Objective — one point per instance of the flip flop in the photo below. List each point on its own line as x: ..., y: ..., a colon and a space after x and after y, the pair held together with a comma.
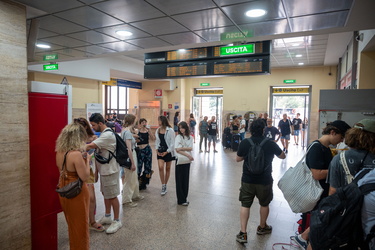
x: 96, y: 227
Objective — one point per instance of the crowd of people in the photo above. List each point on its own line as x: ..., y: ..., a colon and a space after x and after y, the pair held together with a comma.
x: 86, y: 156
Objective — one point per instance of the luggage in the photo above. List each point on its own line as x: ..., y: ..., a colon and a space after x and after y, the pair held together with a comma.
x: 227, y: 138
x: 236, y: 138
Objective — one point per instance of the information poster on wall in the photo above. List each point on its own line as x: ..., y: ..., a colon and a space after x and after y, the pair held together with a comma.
x: 92, y: 108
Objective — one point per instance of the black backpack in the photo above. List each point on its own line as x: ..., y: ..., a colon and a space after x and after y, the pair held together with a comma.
x: 121, y: 154
x: 336, y: 223
x: 255, y: 157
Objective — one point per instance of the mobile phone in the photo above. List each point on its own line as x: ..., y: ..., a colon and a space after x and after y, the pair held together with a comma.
x: 148, y: 126
x: 91, y: 151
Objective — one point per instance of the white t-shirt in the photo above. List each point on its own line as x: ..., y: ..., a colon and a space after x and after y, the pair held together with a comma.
x: 183, y: 143
x: 107, y: 141
x: 243, y: 122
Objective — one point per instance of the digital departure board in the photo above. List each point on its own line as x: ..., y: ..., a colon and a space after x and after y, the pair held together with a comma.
x: 242, y: 59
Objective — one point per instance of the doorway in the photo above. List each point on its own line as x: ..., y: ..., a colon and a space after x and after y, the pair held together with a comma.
x: 208, y: 106
x: 292, y: 101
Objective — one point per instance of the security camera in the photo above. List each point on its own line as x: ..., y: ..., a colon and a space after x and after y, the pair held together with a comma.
x: 359, y: 37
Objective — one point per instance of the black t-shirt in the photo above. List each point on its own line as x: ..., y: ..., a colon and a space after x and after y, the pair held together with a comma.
x: 284, y: 127
x: 270, y: 149
x: 212, y: 128
x: 296, y: 123
x: 319, y: 157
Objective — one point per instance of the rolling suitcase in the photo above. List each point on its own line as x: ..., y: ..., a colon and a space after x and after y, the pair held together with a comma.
x: 235, y: 142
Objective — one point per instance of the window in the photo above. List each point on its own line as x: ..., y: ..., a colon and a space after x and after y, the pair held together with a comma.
x: 117, y: 100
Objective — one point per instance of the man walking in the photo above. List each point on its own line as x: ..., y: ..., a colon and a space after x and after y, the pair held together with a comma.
x: 271, y: 131
x: 109, y: 171
x: 260, y: 185
x: 212, y: 133
x: 203, y: 133
x: 297, y: 125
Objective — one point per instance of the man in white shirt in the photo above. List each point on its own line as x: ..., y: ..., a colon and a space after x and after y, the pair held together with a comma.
x: 242, y: 127
x: 109, y: 171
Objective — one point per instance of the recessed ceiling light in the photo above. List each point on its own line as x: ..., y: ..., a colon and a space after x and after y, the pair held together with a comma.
x: 300, y: 63
x: 182, y: 50
x: 255, y: 13
x: 123, y: 33
x: 299, y: 55
x: 43, y: 46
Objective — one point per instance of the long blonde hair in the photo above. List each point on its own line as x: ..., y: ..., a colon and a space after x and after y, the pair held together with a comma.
x: 72, y: 137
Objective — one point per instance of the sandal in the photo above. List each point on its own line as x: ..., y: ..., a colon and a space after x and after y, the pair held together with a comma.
x: 96, y: 227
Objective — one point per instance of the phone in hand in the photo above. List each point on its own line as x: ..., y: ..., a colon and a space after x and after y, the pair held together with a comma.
x: 91, y: 151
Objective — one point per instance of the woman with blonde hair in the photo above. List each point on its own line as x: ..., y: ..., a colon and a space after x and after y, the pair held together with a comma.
x: 130, y: 191
x: 164, y: 145
x: 71, y: 157
x: 93, y: 225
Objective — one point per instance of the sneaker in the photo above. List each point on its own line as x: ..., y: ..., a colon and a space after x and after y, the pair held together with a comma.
x: 215, y: 151
x: 286, y: 151
x: 105, y: 220
x: 114, y: 227
x: 200, y: 151
x: 130, y: 204
x: 139, y: 198
x: 241, y: 237
x: 300, y: 242
x: 207, y: 151
x: 163, y: 189
x: 185, y: 204
x: 265, y: 230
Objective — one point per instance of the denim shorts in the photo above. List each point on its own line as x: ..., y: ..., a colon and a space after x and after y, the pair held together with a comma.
x: 212, y: 138
x: 286, y: 137
x: 296, y: 132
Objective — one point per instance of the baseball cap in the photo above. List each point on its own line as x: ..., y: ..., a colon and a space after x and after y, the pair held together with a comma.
x: 239, y: 115
x: 366, y: 125
x: 340, y: 125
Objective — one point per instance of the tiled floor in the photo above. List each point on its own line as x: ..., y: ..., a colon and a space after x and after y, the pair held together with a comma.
x: 211, y: 221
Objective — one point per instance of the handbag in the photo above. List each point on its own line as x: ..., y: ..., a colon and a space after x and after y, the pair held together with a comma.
x: 182, y: 159
x: 73, y: 188
x: 299, y: 188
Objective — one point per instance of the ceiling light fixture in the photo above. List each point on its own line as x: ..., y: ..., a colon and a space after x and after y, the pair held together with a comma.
x: 123, y: 33
x: 299, y: 55
x: 182, y: 50
x: 255, y: 13
x: 43, y: 46
x: 300, y: 63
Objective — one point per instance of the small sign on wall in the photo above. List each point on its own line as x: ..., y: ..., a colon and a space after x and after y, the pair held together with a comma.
x: 158, y: 93
x: 176, y: 105
x: 169, y: 106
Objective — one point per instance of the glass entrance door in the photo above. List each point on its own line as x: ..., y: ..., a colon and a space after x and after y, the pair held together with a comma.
x: 208, y: 106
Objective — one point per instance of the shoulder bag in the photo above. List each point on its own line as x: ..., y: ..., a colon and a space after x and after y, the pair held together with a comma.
x: 73, y: 188
x: 299, y: 188
x: 182, y: 159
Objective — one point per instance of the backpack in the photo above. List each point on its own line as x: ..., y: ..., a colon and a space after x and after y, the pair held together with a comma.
x: 192, y: 123
x: 336, y: 223
x: 121, y: 154
x: 255, y: 157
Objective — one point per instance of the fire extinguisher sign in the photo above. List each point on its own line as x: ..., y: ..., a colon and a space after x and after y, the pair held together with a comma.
x: 158, y: 93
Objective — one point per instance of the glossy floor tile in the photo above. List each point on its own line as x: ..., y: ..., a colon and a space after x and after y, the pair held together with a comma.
x: 211, y: 221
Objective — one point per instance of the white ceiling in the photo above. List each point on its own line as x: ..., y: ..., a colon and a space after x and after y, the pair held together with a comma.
x: 318, y: 30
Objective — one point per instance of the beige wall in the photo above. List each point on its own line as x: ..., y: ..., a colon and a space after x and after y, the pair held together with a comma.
x: 251, y: 93
x: 366, y: 76
x: 84, y: 90
x: 15, y: 218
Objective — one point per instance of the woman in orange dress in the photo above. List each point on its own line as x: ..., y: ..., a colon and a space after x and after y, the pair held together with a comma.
x: 70, y: 153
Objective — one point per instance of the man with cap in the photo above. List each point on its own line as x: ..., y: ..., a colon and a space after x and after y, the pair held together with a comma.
x: 318, y: 158
x: 242, y: 127
x: 361, y: 141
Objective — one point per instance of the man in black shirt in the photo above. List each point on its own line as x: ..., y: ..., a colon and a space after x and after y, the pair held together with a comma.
x: 259, y: 186
x: 212, y: 133
x: 297, y: 125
